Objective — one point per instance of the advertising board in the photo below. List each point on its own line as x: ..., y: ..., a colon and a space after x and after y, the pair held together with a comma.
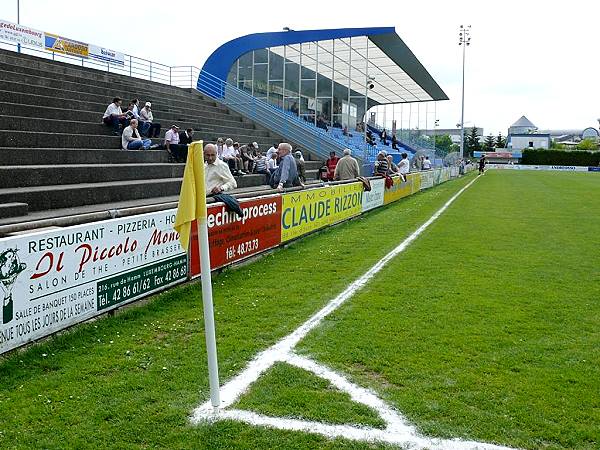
x: 373, y: 198
x: 306, y: 211
x: 53, y: 279
x: 232, y: 238
x: 66, y: 46
x: 20, y: 34
x: 106, y: 54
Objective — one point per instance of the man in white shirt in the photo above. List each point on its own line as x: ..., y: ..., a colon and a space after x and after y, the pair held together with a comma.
x: 146, y: 116
x: 177, y: 151
x: 217, y: 176
x: 427, y: 163
x: 131, y: 139
x: 272, y: 150
x: 404, y: 166
x: 230, y: 156
x: 272, y: 163
x: 113, y: 116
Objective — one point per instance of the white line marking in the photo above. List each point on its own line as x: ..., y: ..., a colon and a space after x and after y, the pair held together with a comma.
x: 397, y: 431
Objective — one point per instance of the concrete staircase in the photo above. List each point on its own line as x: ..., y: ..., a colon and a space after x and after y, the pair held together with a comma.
x: 57, y: 158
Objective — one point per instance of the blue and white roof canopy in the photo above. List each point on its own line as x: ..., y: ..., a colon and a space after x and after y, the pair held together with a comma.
x: 398, y: 75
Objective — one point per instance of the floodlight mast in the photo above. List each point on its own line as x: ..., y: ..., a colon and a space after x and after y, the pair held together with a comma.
x: 464, y: 39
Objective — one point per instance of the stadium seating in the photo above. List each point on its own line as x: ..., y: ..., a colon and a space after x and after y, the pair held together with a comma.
x: 57, y: 158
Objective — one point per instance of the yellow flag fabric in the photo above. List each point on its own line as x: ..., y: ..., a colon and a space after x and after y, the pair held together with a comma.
x: 192, y: 199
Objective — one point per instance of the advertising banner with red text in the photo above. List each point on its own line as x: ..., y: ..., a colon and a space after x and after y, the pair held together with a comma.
x: 232, y: 238
x: 53, y: 279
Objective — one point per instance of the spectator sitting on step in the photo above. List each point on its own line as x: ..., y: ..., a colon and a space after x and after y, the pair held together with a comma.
x: 426, y: 163
x: 272, y: 149
x: 272, y: 163
x: 134, y: 108
x: 392, y: 168
x: 217, y: 176
x: 404, y: 166
x: 260, y: 164
x: 113, y: 116
x: 131, y: 139
x: 177, y: 152
x: 186, y: 137
x: 146, y: 116
x: 220, y: 144
x: 347, y: 167
x: 321, y: 123
x: 381, y: 165
x: 286, y: 174
x: 230, y: 157
x: 247, y: 155
x: 300, y: 166
x: 330, y: 164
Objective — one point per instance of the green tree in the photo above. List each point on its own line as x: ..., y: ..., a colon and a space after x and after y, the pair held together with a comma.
x: 472, y: 142
x: 500, y: 141
x: 587, y: 144
x: 443, y: 144
x: 556, y: 145
x: 489, y: 143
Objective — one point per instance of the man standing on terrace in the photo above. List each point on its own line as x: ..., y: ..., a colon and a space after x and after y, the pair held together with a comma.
x: 286, y: 174
x: 217, y: 176
x: 347, y: 167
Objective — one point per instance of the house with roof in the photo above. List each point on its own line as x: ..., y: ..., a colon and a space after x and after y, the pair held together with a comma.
x: 524, y: 134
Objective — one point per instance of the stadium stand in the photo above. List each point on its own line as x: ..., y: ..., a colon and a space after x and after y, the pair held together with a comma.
x: 56, y: 157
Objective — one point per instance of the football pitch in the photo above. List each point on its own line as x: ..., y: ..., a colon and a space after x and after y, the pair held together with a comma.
x: 485, y: 328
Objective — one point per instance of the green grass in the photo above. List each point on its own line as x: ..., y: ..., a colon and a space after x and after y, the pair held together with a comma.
x: 287, y: 391
x: 488, y: 326
x: 131, y: 381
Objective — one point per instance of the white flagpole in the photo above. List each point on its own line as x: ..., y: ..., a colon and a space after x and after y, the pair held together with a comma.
x: 207, y: 298
x: 209, y: 318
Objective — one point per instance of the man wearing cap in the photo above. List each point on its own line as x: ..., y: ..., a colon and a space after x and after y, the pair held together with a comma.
x: 153, y: 129
x: 177, y: 151
x: 346, y: 168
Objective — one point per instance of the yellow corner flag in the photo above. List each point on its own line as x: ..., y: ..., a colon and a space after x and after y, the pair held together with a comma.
x: 192, y: 199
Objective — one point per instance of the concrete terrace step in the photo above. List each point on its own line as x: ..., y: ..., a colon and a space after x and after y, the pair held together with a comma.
x: 10, y: 156
x: 13, y: 210
x: 13, y: 138
x: 46, y: 112
x: 82, y: 103
x: 70, y: 195
x: 46, y: 175
x: 107, y: 90
x: 45, y: 218
x: 91, y: 128
x: 29, y: 64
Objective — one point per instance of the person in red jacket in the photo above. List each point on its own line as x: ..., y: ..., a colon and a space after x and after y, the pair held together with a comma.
x: 330, y: 164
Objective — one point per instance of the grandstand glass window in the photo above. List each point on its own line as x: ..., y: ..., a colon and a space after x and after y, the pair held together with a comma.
x: 329, y: 79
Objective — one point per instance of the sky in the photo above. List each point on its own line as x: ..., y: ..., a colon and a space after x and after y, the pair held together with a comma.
x: 538, y: 59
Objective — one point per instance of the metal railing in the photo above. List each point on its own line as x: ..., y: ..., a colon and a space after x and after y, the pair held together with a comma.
x: 286, y: 124
x: 133, y: 66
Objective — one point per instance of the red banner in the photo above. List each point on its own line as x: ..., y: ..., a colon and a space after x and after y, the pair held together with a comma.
x: 232, y: 238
